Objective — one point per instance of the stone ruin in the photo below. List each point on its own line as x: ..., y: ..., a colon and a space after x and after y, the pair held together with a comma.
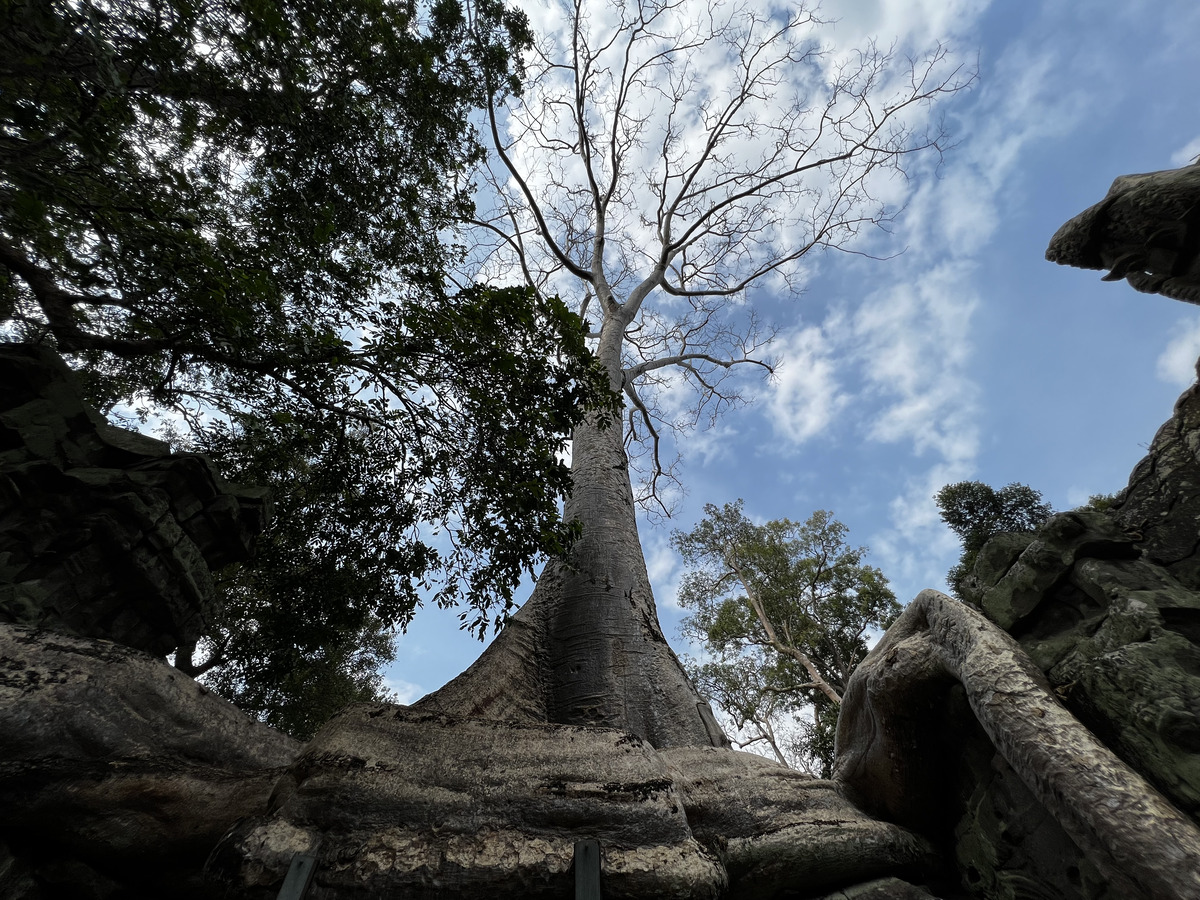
x: 104, y: 532
x: 1041, y: 740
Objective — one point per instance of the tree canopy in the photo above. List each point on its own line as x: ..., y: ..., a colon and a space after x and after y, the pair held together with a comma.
x: 664, y: 157
x: 975, y: 511
x: 783, y: 610
x: 229, y: 215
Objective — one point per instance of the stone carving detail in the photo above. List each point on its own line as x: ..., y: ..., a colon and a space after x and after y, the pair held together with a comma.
x: 104, y: 532
x: 1146, y: 230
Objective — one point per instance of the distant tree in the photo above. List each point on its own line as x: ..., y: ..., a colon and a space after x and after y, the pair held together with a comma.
x: 784, y: 611
x: 975, y: 511
x: 227, y: 214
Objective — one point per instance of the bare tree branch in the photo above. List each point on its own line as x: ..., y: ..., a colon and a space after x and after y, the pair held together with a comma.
x: 685, y: 150
x: 633, y: 372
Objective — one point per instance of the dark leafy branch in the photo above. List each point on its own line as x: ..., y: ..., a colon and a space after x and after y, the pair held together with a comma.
x: 228, y: 215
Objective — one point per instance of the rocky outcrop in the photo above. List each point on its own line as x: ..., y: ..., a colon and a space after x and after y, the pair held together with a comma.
x: 1146, y: 230
x: 895, y: 712
x: 104, y: 532
x: 1161, y: 503
x: 1113, y: 617
x: 117, y: 769
x: 1040, y: 761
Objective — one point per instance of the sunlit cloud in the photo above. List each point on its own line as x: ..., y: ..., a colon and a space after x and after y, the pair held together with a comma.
x: 913, y: 343
x: 903, y: 21
x: 915, y: 523
x: 662, y: 565
x: 805, y: 396
x: 1186, y: 154
x: 405, y: 691
x: 1177, y: 363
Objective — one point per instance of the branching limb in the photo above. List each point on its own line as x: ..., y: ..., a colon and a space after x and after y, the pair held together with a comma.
x: 776, y: 644
x: 532, y: 203
x: 633, y: 172
x: 655, y: 441
x: 636, y: 371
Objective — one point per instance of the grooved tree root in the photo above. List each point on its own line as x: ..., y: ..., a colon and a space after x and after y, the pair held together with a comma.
x: 1138, y: 839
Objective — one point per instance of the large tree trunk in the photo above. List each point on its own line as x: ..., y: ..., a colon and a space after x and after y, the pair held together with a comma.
x: 587, y: 648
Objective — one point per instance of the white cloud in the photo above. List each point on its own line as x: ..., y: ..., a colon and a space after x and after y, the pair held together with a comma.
x: 1187, y: 153
x: 406, y: 692
x: 662, y: 565
x: 1077, y: 496
x: 913, y: 335
x: 918, y: 549
x: 903, y: 21
x: 805, y: 396
x: 1177, y: 363
x: 913, y: 343
x: 715, y: 444
x: 964, y: 212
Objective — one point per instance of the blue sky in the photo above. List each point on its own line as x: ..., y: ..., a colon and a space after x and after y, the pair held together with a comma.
x: 968, y: 356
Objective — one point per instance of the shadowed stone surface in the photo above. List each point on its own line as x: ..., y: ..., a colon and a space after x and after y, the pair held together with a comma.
x: 119, y: 762
x: 881, y: 889
x: 1146, y: 230
x: 104, y: 532
x: 395, y: 801
x: 776, y: 829
x: 1161, y: 503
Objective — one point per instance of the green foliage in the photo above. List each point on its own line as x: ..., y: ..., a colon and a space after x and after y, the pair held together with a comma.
x: 781, y: 609
x: 975, y: 511
x: 227, y: 214
x: 272, y: 671
x: 1102, y: 501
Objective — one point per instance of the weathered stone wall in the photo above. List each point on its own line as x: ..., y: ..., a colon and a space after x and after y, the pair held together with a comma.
x: 104, y: 532
x: 1107, y: 604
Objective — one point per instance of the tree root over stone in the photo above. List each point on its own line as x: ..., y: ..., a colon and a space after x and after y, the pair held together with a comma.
x: 1136, y: 837
x: 394, y: 801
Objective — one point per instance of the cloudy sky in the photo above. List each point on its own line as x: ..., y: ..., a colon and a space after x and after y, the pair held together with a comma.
x: 967, y: 356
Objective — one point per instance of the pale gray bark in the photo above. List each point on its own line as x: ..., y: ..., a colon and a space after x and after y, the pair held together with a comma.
x: 1135, y: 836
x: 587, y: 648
